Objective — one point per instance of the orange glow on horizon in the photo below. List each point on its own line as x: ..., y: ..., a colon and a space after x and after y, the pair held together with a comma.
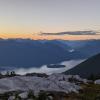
x: 50, y: 37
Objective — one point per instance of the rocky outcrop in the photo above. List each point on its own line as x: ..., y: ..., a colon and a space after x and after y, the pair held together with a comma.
x: 55, y: 82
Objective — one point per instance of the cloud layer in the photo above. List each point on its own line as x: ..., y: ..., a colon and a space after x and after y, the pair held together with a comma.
x: 45, y: 69
x: 72, y: 33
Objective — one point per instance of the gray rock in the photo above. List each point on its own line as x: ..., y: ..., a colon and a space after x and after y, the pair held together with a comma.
x: 97, y: 81
x: 11, y: 98
x: 55, y: 82
x: 23, y: 95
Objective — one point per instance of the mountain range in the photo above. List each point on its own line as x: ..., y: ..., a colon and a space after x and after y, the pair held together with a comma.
x: 35, y: 53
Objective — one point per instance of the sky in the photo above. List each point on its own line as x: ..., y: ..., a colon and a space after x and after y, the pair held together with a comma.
x: 26, y: 18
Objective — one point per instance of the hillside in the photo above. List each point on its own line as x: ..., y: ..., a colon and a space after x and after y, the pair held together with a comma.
x: 87, y: 68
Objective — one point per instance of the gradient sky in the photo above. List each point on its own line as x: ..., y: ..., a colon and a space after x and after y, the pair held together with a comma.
x: 32, y: 16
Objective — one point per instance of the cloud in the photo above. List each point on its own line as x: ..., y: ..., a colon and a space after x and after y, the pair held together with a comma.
x: 72, y: 33
x: 45, y: 69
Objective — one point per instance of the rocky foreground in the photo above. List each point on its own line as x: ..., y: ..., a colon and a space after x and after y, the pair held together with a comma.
x: 55, y: 82
x: 58, y: 83
x: 37, y: 87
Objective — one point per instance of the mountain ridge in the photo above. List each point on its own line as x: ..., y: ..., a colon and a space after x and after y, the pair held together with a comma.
x: 87, y: 68
x: 35, y: 53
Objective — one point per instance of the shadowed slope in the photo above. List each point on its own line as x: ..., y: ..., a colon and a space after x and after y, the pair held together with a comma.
x: 86, y: 68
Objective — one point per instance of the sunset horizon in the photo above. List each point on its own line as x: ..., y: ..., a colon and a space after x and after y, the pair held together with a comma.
x: 28, y: 18
x: 38, y: 36
x: 49, y: 49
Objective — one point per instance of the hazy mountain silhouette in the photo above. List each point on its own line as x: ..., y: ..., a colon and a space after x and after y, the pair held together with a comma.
x: 30, y: 53
x: 35, y: 53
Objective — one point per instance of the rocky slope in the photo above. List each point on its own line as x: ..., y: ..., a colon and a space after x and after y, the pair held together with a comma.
x: 55, y: 82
